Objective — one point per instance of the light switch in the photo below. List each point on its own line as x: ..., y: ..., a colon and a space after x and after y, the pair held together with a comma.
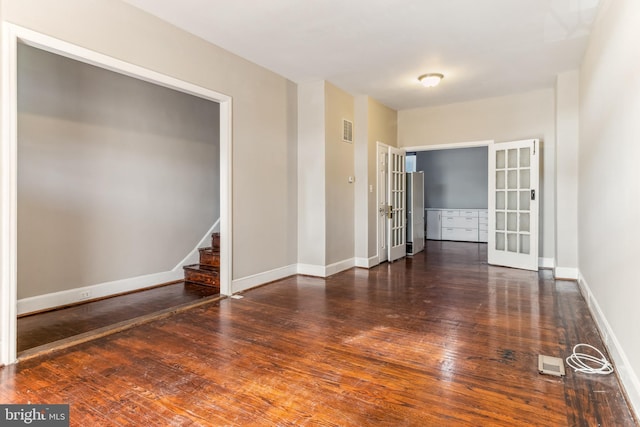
x: 371, y: 189
x: 351, y: 179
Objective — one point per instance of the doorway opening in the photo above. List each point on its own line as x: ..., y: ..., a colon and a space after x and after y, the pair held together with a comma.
x: 14, y: 37
x: 455, y: 192
x: 492, y: 197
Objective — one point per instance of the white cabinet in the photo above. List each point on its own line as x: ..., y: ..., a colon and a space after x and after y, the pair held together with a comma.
x: 434, y: 224
x: 468, y: 225
x: 483, y: 226
x: 460, y: 225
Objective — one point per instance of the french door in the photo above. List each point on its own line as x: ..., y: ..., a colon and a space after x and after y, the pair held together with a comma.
x: 383, y: 202
x: 392, y: 209
x: 397, y: 197
x: 513, y: 204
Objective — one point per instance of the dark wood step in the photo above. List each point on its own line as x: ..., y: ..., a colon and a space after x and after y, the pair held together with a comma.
x: 202, y: 274
x: 215, y: 241
x: 209, y: 256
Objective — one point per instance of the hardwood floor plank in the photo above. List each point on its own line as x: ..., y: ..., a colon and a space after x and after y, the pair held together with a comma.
x: 46, y: 327
x: 440, y: 339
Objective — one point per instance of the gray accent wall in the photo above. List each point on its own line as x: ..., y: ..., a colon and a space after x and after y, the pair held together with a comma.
x: 117, y: 178
x: 455, y: 178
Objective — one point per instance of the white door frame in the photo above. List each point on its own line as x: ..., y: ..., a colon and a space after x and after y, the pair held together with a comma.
x: 12, y: 35
x: 451, y: 146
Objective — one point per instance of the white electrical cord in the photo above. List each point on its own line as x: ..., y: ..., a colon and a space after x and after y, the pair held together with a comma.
x: 587, y: 363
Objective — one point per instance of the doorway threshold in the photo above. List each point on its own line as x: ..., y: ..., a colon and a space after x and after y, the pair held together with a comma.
x: 44, y: 333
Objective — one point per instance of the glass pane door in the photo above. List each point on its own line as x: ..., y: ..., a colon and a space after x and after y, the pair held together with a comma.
x: 397, y: 198
x: 513, y: 204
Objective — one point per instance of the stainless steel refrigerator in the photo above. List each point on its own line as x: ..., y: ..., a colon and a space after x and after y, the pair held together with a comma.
x: 415, y: 212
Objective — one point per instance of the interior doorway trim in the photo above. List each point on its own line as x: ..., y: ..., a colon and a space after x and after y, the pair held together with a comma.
x: 12, y: 35
x: 449, y: 146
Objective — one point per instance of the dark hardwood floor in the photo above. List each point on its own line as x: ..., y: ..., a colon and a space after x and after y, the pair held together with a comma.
x: 440, y: 339
x: 44, y: 328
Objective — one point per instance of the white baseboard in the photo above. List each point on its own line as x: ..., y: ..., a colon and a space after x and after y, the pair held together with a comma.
x: 565, y: 273
x: 101, y: 290
x: 367, y: 262
x: 627, y: 375
x: 328, y: 270
x: 239, y: 285
x: 71, y: 296
x: 312, y: 270
x: 546, y: 263
x: 339, y: 266
x: 248, y: 282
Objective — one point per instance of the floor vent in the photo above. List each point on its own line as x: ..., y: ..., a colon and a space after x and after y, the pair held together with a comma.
x: 549, y: 365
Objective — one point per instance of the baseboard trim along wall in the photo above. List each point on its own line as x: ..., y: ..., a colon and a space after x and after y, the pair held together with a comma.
x: 107, y: 289
x: 627, y: 375
x: 311, y: 270
x: 328, y: 270
x: 86, y: 293
x: 248, y: 282
x: 565, y: 273
x: 339, y: 266
x: 546, y: 263
x: 367, y: 262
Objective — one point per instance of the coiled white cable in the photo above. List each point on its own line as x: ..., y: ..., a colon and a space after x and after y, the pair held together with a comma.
x: 587, y: 363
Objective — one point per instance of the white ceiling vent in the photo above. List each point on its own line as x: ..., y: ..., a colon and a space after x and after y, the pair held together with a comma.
x: 347, y: 130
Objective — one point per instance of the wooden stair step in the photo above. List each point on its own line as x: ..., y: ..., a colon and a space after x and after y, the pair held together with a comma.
x: 202, y: 274
x: 209, y: 256
x: 215, y: 241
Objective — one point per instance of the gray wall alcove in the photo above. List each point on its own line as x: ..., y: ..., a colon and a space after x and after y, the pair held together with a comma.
x: 455, y: 178
x: 117, y: 177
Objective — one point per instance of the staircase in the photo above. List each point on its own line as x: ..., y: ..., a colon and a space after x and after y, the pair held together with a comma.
x: 207, y: 272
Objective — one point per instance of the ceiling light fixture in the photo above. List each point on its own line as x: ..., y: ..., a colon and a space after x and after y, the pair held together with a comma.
x: 431, y: 79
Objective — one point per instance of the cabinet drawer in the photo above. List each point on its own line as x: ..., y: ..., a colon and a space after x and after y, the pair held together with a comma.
x: 449, y: 221
x: 483, y: 214
x: 469, y: 213
x: 483, y: 236
x: 450, y: 213
x: 462, y: 234
x: 459, y: 222
x: 483, y: 222
x: 483, y: 227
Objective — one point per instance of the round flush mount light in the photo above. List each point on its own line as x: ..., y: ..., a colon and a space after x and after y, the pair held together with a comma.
x: 431, y: 79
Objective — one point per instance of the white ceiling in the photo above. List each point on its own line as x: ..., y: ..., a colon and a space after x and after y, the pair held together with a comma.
x: 379, y: 47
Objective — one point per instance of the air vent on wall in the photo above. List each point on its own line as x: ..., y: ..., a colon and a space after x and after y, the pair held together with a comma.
x: 347, y: 130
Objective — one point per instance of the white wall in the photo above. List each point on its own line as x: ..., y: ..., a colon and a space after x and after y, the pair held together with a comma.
x: 375, y: 122
x: 382, y: 125
x: 340, y: 165
x: 361, y: 163
x: 326, y: 230
x: 567, y: 133
x: 110, y: 168
x: 506, y: 118
x: 264, y: 196
x: 311, y: 174
x: 609, y: 183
